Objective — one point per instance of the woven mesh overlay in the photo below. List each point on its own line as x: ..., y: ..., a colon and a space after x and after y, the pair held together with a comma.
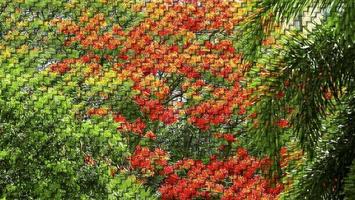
x: 176, y: 99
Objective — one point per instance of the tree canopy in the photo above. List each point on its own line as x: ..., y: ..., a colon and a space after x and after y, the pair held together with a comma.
x: 165, y: 99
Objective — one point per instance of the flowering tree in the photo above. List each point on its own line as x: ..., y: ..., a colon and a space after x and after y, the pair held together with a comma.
x: 171, y: 94
x: 48, y: 150
x: 176, y: 66
x: 231, y: 178
x: 191, y: 99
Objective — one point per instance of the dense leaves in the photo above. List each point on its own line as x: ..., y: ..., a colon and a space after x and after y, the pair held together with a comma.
x: 116, y: 99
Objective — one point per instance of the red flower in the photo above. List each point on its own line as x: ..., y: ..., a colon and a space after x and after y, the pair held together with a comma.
x: 242, y: 152
x: 150, y: 135
x: 172, y: 178
x: 283, y: 151
x: 208, y: 44
x: 123, y: 57
x: 174, y: 48
x: 283, y: 123
x: 120, y: 119
x: 159, y: 152
x: 229, y: 137
x: 253, y: 115
x: 168, y: 170
x: 138, y: 126
x: 280, y: 95
x: 246, y: 182
x: 86, y: 59
x: 328, y: 95
x: 117, y: 30
x: 60, y: 68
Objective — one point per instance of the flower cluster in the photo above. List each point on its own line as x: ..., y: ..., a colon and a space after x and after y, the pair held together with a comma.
x: 63, y: 66
x: 234, y: 178
x: 135, y: 54
x: 97, y: 112
x: 175, y: 75
x: 226, y: 136
x: 147, y: 161
x: 137, y: 127
x: 219, y: 109
x: 282, y: 123
x: 156, y: 111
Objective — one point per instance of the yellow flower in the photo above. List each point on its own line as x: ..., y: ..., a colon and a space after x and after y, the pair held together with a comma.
x: 190, y: 36
x: 23, y: 49
x: 6, y: 53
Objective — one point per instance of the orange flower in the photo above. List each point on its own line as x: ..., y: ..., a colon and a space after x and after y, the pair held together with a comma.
x: 97, y: 111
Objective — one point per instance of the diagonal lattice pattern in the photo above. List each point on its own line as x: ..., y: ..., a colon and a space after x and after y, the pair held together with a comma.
x: 176, y: 99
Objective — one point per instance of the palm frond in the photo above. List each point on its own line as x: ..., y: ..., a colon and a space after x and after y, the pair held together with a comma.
x: 349, y: 186
x: 323, y: 178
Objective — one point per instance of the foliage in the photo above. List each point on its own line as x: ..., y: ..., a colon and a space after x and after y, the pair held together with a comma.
x: 311, y: 75
x: 172, y: 87
x: 233, y: 177
x: 323, y: 177
x: 179, y: 74
x: 49, y: 148
x: 47, y: 153
x: 349, y: 184
x: 101, y: 97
